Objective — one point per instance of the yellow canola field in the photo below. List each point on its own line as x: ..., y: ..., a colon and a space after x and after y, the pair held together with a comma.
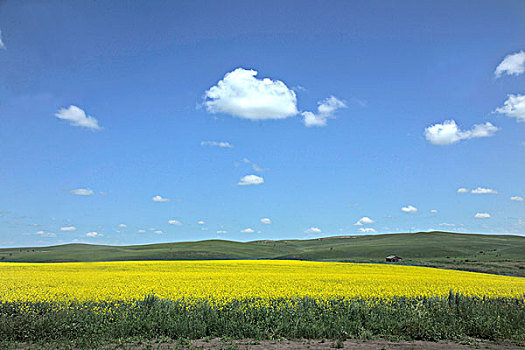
x: 227, y: 280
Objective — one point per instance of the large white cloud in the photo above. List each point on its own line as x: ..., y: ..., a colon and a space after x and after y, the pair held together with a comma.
x: 448, y: 133
x: 77, y: 117
x: 364, y: 220
x: 513, y: 64
x: 482, y: 190
x: 250, y: 180
x: 409, y: 209
x: 325, y: 110
x: 513, y: 107
x: 82, y: 192
x: 242, y: 95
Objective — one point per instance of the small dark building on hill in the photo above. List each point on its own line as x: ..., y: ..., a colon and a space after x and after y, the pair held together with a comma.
x: 393, y: 258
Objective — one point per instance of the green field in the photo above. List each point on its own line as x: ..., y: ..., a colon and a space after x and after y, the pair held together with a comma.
x: 503, y: 254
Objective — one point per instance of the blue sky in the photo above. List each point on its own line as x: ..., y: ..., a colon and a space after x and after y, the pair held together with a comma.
x: 353, y: 123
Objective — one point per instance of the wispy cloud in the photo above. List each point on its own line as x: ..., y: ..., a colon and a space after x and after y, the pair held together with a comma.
x: 313, y: 229
x: 266, y: 221
x: 160, y: 199
x: 448, y: 132
x: 325, y: 110
x: 513, y: 107
x: 221, y: 144
x: 77, y: 117
x: 68, y: 228
x: 94, y: 234
x: 482, y: 216
x: 2, y: 45
x: 82, y: 192
x: 462, y: 190
x: 513, y: 64
x: 516, y: 198
x: 482, y: 190
x: 366, y: 230
x: 175, y: 222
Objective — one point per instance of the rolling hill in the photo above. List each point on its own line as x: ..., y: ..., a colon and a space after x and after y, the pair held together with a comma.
x: 485, y: 253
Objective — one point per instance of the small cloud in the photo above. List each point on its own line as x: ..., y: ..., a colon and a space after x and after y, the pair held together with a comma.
x: 313, y: 230
x: 201, y: 222
x: 448, y: 133
x: 175, y: 222
x: 513, y: 107
x: 122, y: 225
x: 516, y: 198
x: 68, y: 228
x: 409, y: 209
x: 45, y: 234
x: 326, y: 109
x: 94, y: 234
x: 481, y: 190
x: 366, y: 230
x: 141, y: 231
x: 160, y: 199
x: 77, y: 117
x: 513, y: 64
x: 242, y: 95
x: 266, y: 221
x: 445, y: 224
x: 363, y: 221
x: 482, y: 216
x: 247, y: 230
x: 2, y: 45
x: 462, y: 190
x: 221, y: 231
x: 433, y: 211
x: 221, y: 144
x: 250, y: 180
x: 159, y: 232
x: 82, y: 192
x: 254, y: 166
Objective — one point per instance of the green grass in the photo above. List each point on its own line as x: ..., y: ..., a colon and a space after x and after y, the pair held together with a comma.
x: 455, y: 317
x: 485, y: 253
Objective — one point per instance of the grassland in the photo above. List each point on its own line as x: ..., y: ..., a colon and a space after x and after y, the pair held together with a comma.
x: 503, y: 254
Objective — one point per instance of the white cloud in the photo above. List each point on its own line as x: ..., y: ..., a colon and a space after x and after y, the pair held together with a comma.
x: 94, y: 234
x: 221, y: 144
x: 247, y: 230
x: 68, y: 228
x: 254, y: 166
x: 141, y: 231
x: 2, y: 45
x: 82, y: 192
x: 513, y: 107
x: 482, y: 215
x: 445, y: 224
x: 221, y: 231
x: 266, y: 221
x: 513, y: 64
x: 448, y: 133
x: 366, y: 230
x: 325, y: 110
x: 251, y: 180
x: 481, y: 190
x: 201, y: 222
x: 242, y: 95
x: 160, y: 199
x: 45, y: 234
x: 462, y: 190
x: 364, y: 220
x: 159, y: 232
x: 313, y: 230
x: 433, y: 211
x: 122, y: 225
x: 175, y: 222
x: 516, y: 198
x: 77, y: 117
x: 409, y: 209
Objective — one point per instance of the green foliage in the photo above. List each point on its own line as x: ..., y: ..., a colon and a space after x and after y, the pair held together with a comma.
x: 452, y: 318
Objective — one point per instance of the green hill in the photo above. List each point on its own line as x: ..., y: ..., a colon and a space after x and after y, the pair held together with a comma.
x: 486, y: 253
